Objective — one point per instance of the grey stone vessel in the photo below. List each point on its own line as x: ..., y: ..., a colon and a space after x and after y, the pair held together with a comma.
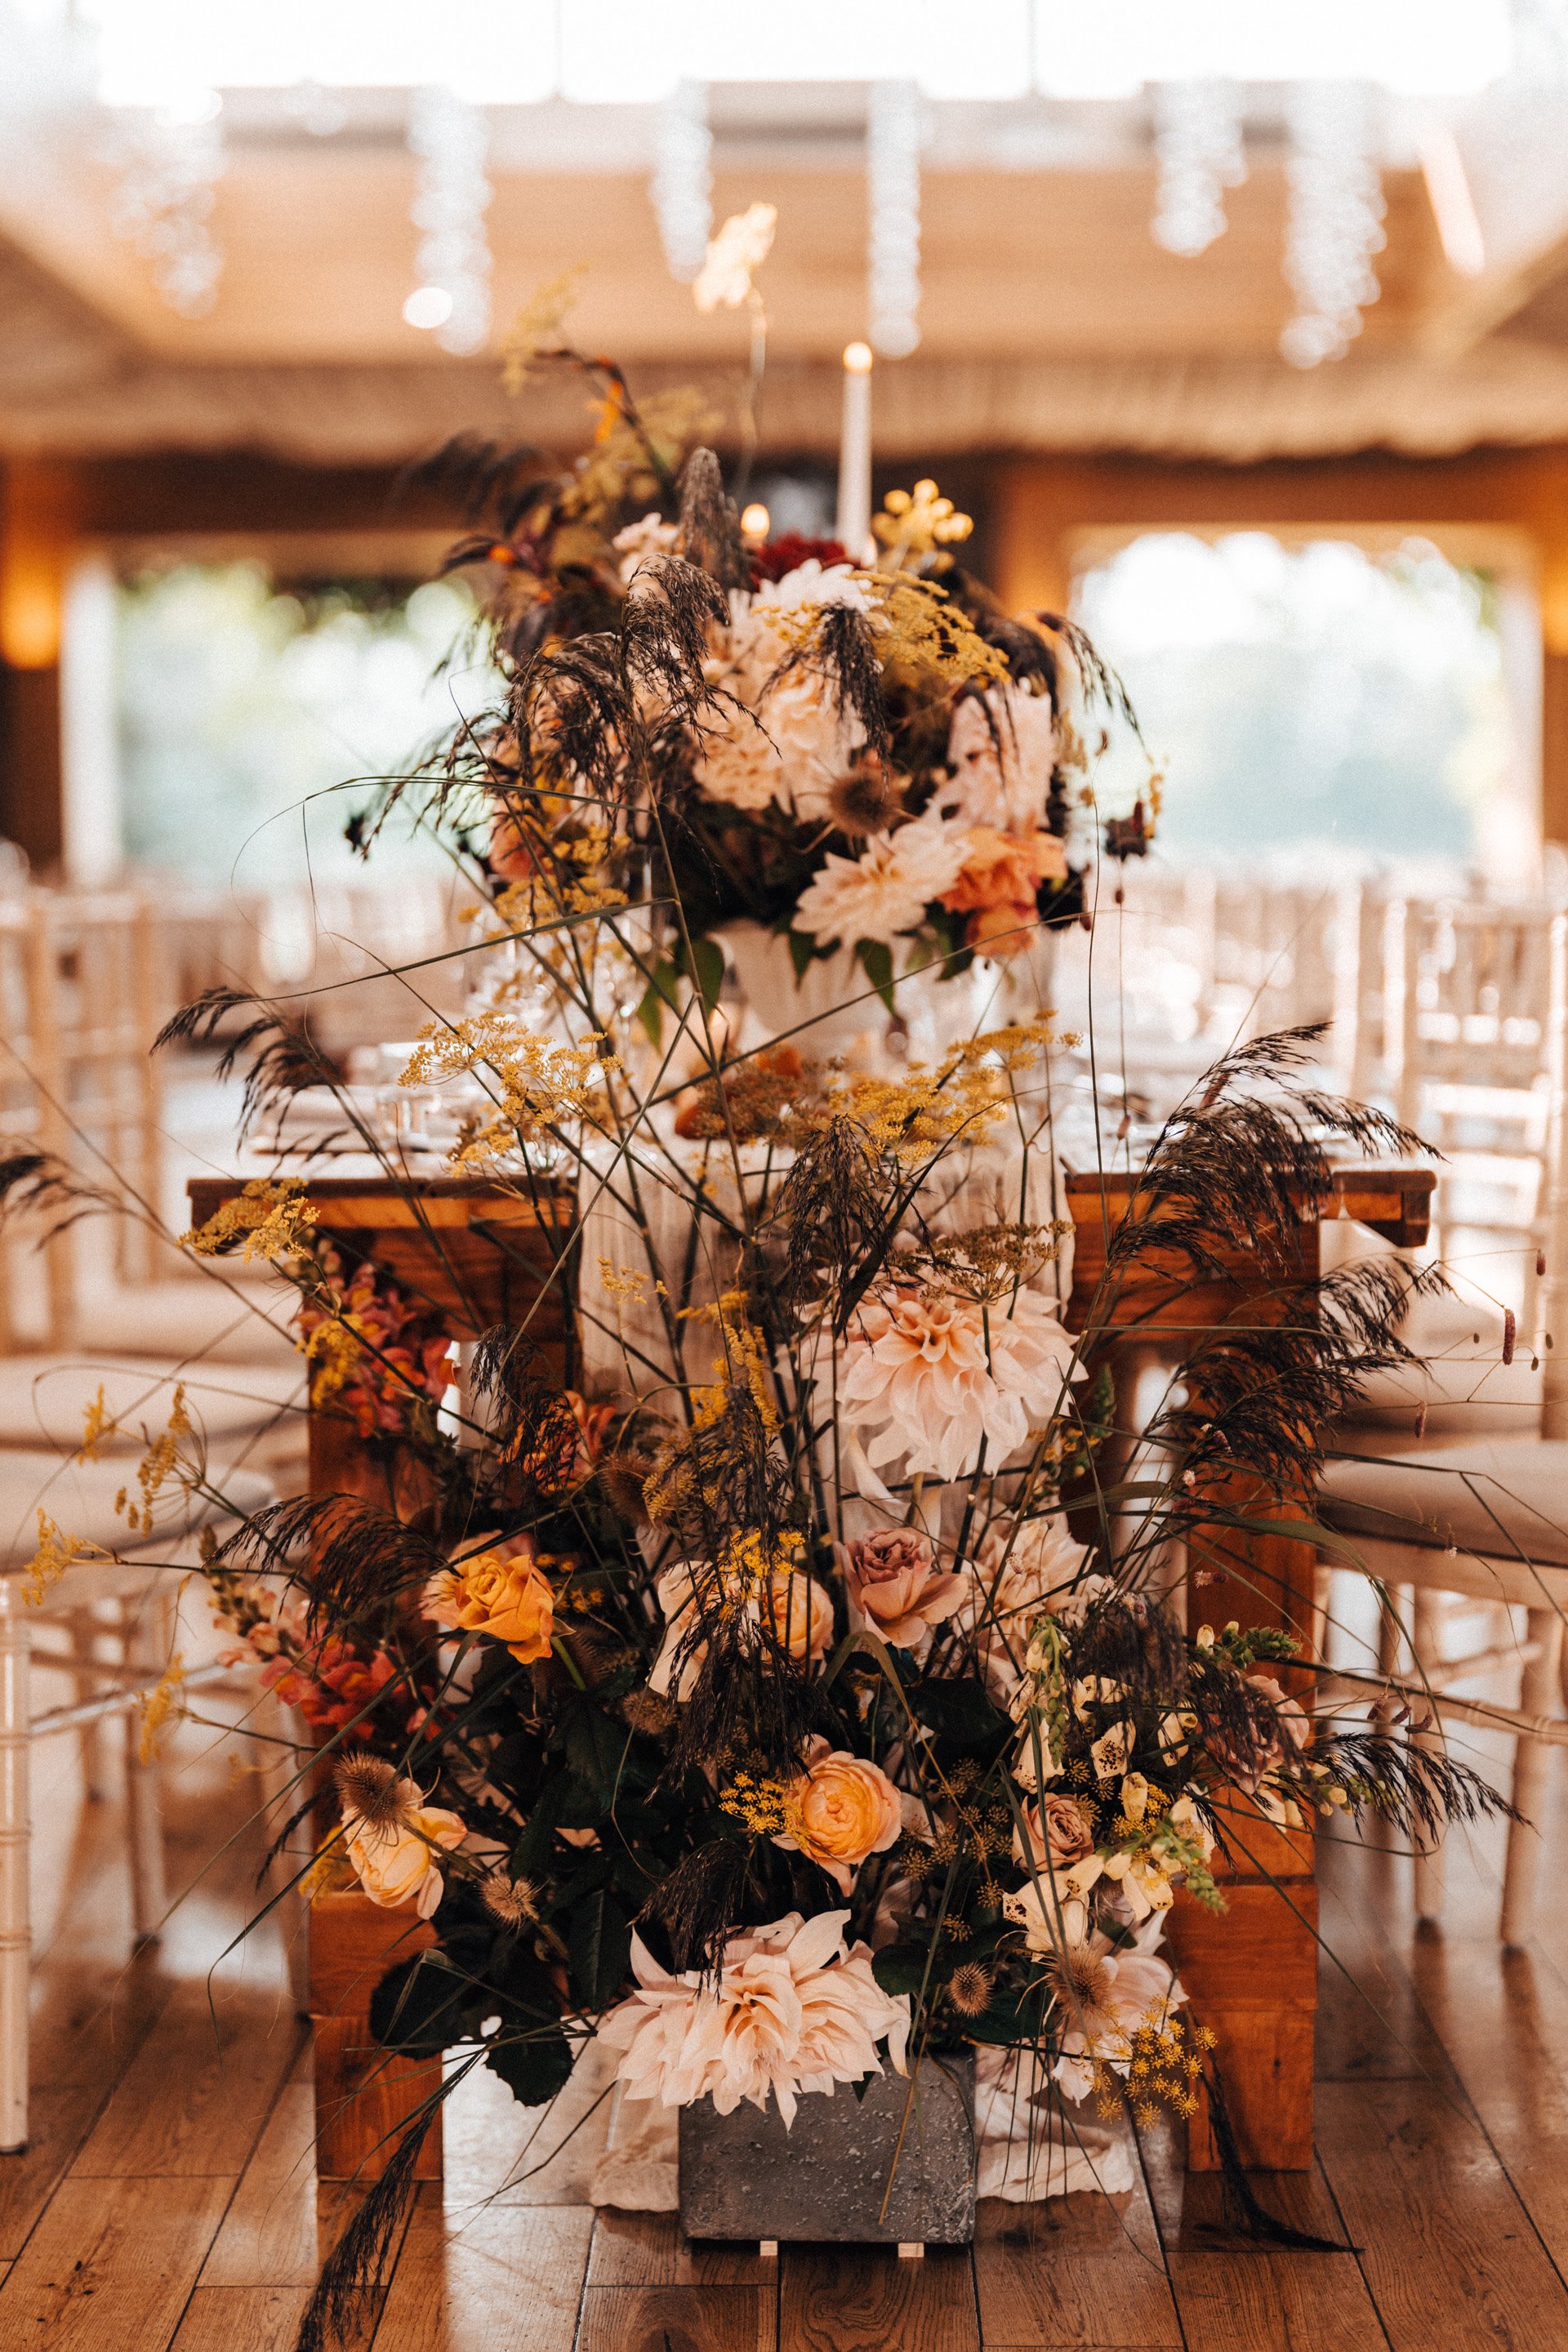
x: 743, y: 2175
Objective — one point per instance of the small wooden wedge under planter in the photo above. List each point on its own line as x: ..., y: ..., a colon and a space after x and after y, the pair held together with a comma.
x: 364, y: 2095
x: 895, y: 2167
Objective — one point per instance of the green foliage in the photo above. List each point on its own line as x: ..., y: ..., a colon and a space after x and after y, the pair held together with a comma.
x: 419, y: 2006
x: 533, y: 2069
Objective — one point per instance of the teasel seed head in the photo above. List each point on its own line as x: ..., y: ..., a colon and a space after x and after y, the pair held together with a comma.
x: 370, y: 1787
x: 513, y: 1901
x: 867, y: 799
x: 970, y: 1988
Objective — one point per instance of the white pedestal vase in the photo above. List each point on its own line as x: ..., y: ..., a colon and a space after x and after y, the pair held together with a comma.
x: 831, y: 1009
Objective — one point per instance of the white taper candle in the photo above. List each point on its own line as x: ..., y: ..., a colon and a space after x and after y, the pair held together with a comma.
x: 854, y: 526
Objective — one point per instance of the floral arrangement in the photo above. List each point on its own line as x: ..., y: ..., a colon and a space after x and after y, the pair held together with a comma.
x: 797, y: 1698
x: 864, y: 759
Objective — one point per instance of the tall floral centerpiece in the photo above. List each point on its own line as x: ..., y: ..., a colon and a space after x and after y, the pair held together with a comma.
x: 793, y: 1703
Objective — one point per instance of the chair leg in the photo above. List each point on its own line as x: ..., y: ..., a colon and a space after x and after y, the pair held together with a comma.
x: 86, y: 1633
x: 143, y: 1814
x: 16, y: 1934
x: 1531, y: 1771
x: 1426, y: 1619
x: 284, y: 1791
x: 1393, y: 1617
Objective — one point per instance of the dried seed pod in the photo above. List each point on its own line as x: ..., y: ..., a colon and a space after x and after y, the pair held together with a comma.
x: 970, y: 1988
x: 370, y: 1787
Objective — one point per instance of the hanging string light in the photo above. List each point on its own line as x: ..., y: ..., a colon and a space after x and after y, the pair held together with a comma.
x: 894, y: 130
x: 170, y: 161
x: 1199, y: 153
x: 450, y: 136
x: 683, y: 186
x: 1335, y: 219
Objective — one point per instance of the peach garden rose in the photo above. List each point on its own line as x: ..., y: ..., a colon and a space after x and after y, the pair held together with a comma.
x: 397, y: 1859
x: 841, y: 1809
x: 1059, y: 1830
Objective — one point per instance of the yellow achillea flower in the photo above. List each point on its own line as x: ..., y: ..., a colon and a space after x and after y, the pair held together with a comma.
x: 160, y: 1704
x: 57, y: 1551
x: 539, y: 1080
x: 761, y: 1804
x: 97, y: 1423
x: 272, y: 1216
x: 157, y: 1467
x: 624, y: 1282
x: 745, y: 1361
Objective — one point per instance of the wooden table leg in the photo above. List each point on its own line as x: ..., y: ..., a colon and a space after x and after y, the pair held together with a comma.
x: 363, y: 2095
x: 1250, y: 1973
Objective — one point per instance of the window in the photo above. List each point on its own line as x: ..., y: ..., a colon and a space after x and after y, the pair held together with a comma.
x: 243, y: 706
x: 1324, y: 697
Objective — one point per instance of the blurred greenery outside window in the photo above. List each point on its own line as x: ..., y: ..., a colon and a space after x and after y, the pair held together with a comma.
x: 255, y: 716
x: 1322, y: 701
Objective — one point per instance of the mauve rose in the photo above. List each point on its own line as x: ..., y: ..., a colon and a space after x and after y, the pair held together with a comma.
x: 895, y: 1586
x: 1060, y: 1831
x: 1293, y: 1730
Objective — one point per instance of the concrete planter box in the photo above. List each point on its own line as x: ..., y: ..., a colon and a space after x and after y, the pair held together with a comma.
x: 744, y: 2177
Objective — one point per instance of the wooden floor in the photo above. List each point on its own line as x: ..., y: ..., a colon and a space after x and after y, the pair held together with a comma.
x: 168, y: 2198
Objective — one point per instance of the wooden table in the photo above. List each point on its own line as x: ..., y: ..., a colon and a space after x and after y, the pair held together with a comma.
x: 1251, y: 1971
x: 479, y: 1256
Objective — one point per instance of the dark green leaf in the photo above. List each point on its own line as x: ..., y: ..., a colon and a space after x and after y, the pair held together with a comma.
x: 595, y: 1747
x: 877, y: 963
x: 707, y: 965
x: 901, y: 1968
x: 418, y: 2007
x: 599, y: 1940
x: 960, y: 1711
x: 531, y: 1853
x: 533, y: 2070
x: 802, y: 949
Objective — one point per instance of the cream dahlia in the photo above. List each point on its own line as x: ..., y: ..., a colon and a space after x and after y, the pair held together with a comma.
x: 1024, y: 1569
x: 886, y: 889
x: 934, y: 1375
x: 651, y: 536
x: 792, y: 2009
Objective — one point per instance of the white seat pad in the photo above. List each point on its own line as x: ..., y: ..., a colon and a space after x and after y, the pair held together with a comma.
x: 1505, y: 1499
x: 80, y: 1497
x: 1467, y: 1392
x: 43, y: 1400
x: 179, y: 1319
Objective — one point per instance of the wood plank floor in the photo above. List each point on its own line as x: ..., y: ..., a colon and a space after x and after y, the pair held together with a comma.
x: 168, y: 2203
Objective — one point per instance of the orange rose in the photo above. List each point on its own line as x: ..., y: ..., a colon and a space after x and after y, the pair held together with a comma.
x: 501, y: 1593
x: 1004, y: 870
x: 841, y: 1809
x: 1001, y: 930
x: 511, y: 852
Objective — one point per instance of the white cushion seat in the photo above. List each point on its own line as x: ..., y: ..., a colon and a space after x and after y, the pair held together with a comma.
x: 43, y: 1400
x: 1504, y: 1500
x: 80, y: 1497
x: 1466, y: 1394
x: 180, y: 1319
